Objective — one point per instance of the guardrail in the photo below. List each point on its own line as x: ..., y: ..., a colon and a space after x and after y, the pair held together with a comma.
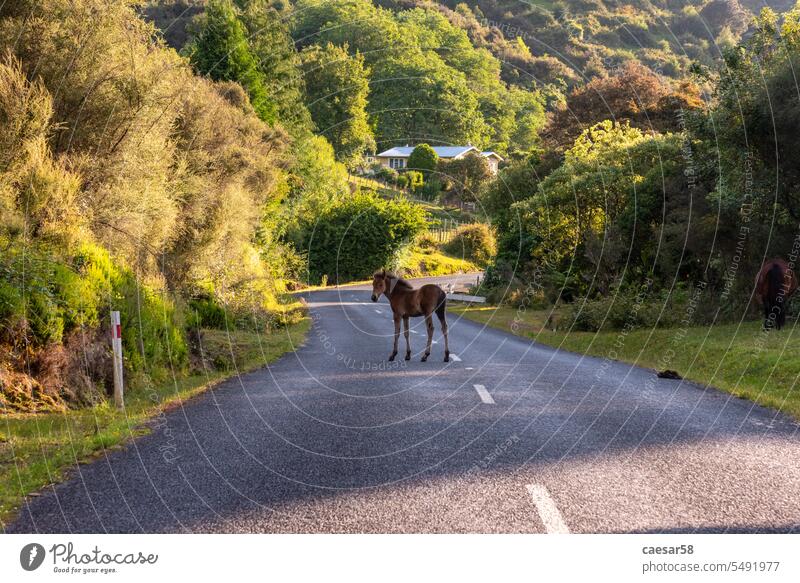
x: 466, y: 298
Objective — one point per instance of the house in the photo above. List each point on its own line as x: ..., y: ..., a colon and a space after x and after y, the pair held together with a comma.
x: 397, y: 158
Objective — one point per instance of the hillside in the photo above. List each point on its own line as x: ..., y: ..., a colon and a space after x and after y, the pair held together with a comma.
x: 561, y: 42
x: 575, y: 40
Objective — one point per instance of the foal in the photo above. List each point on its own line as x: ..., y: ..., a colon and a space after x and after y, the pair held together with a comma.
x: 408, y: 302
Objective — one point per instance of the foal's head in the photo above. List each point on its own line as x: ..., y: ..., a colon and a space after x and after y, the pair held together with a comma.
x: 378, y: 284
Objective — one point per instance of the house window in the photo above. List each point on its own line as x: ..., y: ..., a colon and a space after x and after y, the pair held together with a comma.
x: 397, y: 163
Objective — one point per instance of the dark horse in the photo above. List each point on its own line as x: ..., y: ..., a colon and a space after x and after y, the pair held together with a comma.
x: 408, y: 302
x: 775, y: 283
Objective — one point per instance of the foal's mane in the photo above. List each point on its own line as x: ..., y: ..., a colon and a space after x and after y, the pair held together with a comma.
x: 399, y: 281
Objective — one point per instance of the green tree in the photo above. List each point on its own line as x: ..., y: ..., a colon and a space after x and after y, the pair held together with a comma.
x: 467, y: 175
x: 420, y: 97
x: 219, y: 49
x: 362, y: 233
x: 604, y: 209
x: 757, y: 116
x: 279, y: 63
x: 337, y: 85
x: 529, y: 119
x: 414, y: 93
x: 423, y: 158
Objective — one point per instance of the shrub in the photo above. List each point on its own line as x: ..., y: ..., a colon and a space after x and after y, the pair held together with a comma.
x: 207, y: 313
x: 423, y: 158
x: 152, y: 327
x: 388, y: 175
x: 431, y: 189
x: 629, y: 309
x: 414, y: 180
x: 427, y: 241
x: 358, y: 235
x: 475, y: 242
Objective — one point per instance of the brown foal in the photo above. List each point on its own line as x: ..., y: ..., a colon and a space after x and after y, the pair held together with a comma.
x: 408, y: 302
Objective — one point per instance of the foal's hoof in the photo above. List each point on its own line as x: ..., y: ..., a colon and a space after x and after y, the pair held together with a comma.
x: 391, y: 357
x: 408, y: 356
x: 424, y: 358
x: 447, y: 358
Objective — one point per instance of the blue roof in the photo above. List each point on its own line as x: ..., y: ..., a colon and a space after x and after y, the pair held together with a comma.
x: 442, y: 151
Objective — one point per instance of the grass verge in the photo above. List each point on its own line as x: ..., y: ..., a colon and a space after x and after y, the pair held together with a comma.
x: 39, y: 449
x: 737, y: 358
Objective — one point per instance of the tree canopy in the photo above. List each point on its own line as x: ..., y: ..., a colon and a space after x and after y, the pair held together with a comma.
x: 337, y: 87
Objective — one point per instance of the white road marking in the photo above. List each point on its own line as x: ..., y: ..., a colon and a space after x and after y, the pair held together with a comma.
x: 434, y: 342
x: 455, y: 358
x: 548, y: 512
x: 413, y: 331
x: 484, y: 394
x: 470, y: 368
x: 378, y: 311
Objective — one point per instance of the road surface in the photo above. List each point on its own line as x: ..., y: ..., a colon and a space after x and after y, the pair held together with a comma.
x: 511, y: 436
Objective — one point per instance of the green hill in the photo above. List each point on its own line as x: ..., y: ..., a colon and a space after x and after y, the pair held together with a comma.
x: 574, y: 40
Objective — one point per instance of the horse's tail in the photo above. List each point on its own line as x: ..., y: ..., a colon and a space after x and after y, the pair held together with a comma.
x: 774, y: 282
x: 441, y: 305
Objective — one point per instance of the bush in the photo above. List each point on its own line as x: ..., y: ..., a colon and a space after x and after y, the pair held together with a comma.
x: 474, y: 242
x: 415, y: 180
x: 426, y: 241
x: 358, y: 235
x: 423, y: 158
x: 431, y: 189
x: 388, y: 175
x: 207, y: 313
x: 629, y: 309
x: 63, y: 316
x: 152, y: 327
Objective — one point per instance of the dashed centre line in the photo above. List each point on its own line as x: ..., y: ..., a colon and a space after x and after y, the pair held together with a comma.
x: 548, y: 511
x: 484, y: 394
x: 455, y: 358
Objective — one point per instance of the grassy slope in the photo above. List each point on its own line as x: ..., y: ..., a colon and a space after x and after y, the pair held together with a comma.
x: 424, y: 262
x: 37, y: 450
x: 737, y: 358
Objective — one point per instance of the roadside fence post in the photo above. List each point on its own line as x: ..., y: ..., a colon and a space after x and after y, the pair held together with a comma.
x: 116, y: 344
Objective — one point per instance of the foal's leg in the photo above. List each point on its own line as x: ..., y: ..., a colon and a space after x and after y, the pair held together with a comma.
x: 443, y: 322
x: 429, y: 326
x: 408, y: 343
x: 396, y: 337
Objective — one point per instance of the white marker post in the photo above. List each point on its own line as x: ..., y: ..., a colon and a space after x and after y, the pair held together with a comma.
x: 116, y: 344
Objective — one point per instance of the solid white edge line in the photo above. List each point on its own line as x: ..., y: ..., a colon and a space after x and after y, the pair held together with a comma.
x: 548, y: 512
x: 484, y: 394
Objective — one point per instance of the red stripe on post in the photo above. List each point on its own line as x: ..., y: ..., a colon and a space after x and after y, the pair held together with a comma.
x: 118, y: 330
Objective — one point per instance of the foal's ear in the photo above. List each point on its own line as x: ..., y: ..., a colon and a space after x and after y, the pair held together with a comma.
x: 383, y: 273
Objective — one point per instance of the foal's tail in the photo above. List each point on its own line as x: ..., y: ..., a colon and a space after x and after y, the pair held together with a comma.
x: 441, y: 305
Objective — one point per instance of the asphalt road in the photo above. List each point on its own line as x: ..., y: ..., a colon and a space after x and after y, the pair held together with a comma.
x: 512, y: 437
